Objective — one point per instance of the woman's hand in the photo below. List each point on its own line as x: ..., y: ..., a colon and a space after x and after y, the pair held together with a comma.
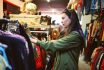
x: 33, y: 40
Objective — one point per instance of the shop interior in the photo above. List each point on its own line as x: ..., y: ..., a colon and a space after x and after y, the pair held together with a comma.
x: 42, y: 19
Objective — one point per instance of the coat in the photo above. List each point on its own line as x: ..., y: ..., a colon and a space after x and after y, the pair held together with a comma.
x: 67, y: 50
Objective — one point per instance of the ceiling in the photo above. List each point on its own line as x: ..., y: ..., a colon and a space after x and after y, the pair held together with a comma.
x: 52, y: 8
x: 47, y: 7
x: 43, y: 5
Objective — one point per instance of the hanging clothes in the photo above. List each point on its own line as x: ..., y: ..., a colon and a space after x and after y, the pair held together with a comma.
x: 17, y: 52
x: 102, y: 4
x: 4, y: 57
x: 16, y: 28
x: 86, y: 6
x: 88, y: 41
x: 94, y: 4
x: 97, y: 59
x: 94, y: 36
x: 102, y: 32
x: 102, y: 65
x: 31, y: 63
x: 18, y: 44
x: 3, y: 64
x: 40, y: 58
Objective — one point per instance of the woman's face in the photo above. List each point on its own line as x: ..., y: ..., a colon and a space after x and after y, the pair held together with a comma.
x: 65, y: 20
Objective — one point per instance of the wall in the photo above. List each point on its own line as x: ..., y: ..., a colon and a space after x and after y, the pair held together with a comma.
x: 1, y: 8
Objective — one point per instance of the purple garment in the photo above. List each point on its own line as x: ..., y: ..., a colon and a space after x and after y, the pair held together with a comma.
x: 17, y: 52
x: 7, y: 33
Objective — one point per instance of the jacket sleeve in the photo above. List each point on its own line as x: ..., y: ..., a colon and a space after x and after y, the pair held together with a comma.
x: 67, y: 42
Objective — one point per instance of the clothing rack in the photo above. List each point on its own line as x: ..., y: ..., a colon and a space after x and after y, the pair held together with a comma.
x: 9, y: 25
x: 99, y: 10
x: 19, y: 51
x: 94, y: 37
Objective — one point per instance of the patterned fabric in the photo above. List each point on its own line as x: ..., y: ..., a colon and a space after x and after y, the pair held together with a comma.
x: 94, y: 38
x: 97, y: 59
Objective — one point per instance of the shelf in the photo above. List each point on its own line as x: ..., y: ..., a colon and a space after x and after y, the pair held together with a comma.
x: 40, y: 31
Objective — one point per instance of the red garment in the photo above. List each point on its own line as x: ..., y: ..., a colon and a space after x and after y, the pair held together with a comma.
x: 79, y: 4
x: 40, y: 58
x: 102, y: 65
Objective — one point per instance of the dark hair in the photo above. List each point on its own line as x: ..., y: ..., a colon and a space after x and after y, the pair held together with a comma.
x: 75, y: 25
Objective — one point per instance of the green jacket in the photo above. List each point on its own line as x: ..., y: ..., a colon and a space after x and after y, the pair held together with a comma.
x: 67, y: 50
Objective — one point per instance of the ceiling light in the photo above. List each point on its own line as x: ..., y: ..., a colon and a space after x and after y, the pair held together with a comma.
x: 48, y: 0
x: 53, y: 10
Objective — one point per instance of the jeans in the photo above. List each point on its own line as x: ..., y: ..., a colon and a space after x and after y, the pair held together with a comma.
x: 86, y: 6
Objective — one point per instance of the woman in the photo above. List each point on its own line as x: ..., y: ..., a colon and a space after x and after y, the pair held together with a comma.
x: 67, y: 48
